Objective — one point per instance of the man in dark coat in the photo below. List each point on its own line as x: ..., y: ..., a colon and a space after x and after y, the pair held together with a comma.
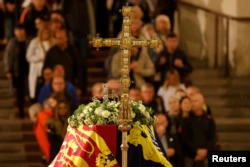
x: 150, y: 100
x: 80, y: 17
x: 170, y: 142
x: 66, y: 55
x: 15, y: 65
x: 173, y: 58
x: 198, y: 134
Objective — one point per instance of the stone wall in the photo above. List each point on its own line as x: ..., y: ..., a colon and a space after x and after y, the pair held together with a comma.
x: 197, y: 33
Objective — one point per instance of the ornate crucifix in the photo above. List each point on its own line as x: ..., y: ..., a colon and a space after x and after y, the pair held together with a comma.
x: 126, y: 42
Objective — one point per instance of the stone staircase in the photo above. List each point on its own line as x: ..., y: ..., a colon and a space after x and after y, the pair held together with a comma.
x: 18, y: 146
x: 229, y: 100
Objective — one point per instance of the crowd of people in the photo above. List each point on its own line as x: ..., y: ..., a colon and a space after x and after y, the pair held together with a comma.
x: 46, y: 55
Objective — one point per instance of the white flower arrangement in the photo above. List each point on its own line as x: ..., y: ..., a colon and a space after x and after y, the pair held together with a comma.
x: 107, y: 112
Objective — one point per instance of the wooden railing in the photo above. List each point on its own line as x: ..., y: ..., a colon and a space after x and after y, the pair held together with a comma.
x: 218, y: 15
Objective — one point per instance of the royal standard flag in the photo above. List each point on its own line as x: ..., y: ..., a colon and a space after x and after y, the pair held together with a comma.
x: 99, y: 146
x: 88, y: 146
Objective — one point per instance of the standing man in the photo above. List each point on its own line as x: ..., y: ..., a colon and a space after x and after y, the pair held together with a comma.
x: 173, y: 58
x: 16, y: 66
x: 66, y: 55
x: 198, y: 134
x: 150, y: 100
x: 80, y: 17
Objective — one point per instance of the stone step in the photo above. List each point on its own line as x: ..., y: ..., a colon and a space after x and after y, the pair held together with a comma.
x: 235, y: 146
x: 204, y: 73
x: 96, y: 72
x: 228, y: 102
x: 234, y: 136
x: 92, y: 80
x: 31, y: 157
x: 198, y: 63
x: 6, y: 103
x: 233, y: 124
x: 98, y: 62
x: 222, y: 82
x: 11, y: 164
x: 222, y: 92
x: 5, y: 93
x: 18, y: 147
x: 231, y: 112
x: 93, y: 53
x: 27, y: 136
x: 5, y: 113
x: 16, y: 125
x: 4, y: 83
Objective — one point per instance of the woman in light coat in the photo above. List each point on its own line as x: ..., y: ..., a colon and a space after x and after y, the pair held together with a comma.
x: 36, y: 53
x: 171, y: 85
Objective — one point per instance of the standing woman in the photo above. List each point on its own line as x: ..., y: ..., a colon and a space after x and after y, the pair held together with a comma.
x: 171, y: 85
x: 185, y: 107
x: 35, y: 56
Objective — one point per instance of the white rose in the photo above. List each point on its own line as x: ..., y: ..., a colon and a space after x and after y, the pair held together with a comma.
x: 105, y: 114
x: 117, y: 104
x: 98, y: 111
x: 85, y: 111
x: 132, y: 114
x: 110, y: 105
x: 147, y: 114
x: 82, y: 115
x: 78, y: 118
x: 142, y: 108
x: 99, y: 122
x: 88, y: 121
x: 87, y: 107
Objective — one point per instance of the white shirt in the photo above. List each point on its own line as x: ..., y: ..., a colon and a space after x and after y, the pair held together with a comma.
x: 165, y: 94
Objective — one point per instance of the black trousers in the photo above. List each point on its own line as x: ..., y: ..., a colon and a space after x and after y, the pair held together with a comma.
x: 19, y: 83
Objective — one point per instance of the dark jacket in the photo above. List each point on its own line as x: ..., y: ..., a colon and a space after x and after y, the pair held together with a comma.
x: 30, y: 17
x: 156, y: 105
x: 173, y: 142
x: 178, y: 54
x: 56, y: 132
x: 197, y: 132
x: 11, y: 57
x: 68, y: 58
x: 76, y: 12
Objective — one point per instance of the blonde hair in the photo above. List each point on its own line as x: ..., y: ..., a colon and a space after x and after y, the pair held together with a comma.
x: 44, y: 27
x: 177, y: 77
x: 164, y: 18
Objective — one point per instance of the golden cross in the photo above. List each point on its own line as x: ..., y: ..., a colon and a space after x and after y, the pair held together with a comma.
x: 126, y: 42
